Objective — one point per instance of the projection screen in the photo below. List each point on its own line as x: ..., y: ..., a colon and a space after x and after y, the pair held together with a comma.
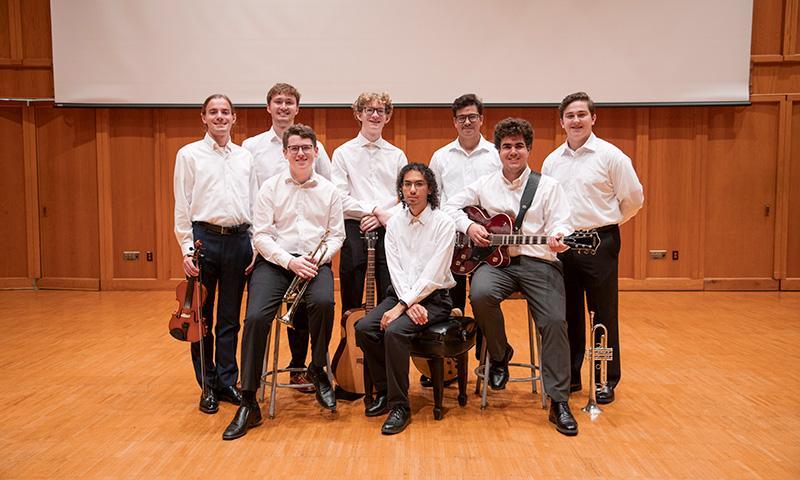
x: 423, y: 52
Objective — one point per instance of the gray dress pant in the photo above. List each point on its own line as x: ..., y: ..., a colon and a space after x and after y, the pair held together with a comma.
x: 542, y: 284
x: 265, y: 291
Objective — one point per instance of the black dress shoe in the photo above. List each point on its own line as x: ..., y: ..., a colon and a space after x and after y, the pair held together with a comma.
x: 208, y: 402
x: 562, y: 418
x: 229, y: 394
x: 326, y: 397
x: 247, y: 416
x: 575, y: 387
x: 605, y: 395
x: 498, y: 371
x: 378, y: 407
x: 397, y: 421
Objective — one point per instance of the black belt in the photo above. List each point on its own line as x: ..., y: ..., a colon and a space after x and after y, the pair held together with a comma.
x: 223, y: 230
x: 604, y: 228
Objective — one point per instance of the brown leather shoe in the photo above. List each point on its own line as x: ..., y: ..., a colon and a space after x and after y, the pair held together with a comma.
x: 300, y: 378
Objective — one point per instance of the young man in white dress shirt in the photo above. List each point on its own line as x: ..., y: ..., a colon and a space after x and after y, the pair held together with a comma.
x: 291, y: 213
x: 419, y: 249
x: 283, y: 105
x: 459, y: 163
x: 534, y: 269
x: 365, y: 169
x: 214, y: 186
x: 604, y: 192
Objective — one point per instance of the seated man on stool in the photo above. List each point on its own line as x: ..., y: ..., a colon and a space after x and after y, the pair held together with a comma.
x: 292, y: 211
x: 419, y: 249
x: 534, y: 269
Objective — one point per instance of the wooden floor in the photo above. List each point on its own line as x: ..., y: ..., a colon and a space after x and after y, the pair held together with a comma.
x: 93, y: 387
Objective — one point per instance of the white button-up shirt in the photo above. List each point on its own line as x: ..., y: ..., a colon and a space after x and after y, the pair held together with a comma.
x: 418, y: 252
x: 455, y: 168
x: 212, y: 184
x: 549, y: 213
x: 367, y: 174
x: 268, y: 158
x: 289, y: 218
x: 599, y: 180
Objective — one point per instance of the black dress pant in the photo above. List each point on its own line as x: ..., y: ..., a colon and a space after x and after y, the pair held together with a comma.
x: 459, y: 296
x: 387, y: 353
x: 268, y: 283
x: 353, y: 267
x: 596, y: 276
x: 223, y: 261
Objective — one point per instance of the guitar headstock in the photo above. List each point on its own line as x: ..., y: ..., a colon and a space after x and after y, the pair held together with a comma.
x: 583, y: 242
x: 372, y: 239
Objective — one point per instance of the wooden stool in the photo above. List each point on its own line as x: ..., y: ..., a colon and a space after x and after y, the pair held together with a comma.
x: 535, y: 342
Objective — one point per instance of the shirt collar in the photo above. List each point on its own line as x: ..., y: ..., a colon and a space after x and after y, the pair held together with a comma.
x: 363, y: 141
x: 519, y: 182
x: 310, y: 183
x: 272, y: 137
x: 214, y: 146
x: 423, y: 217
x: 483, y: 145
x: 588, y: 146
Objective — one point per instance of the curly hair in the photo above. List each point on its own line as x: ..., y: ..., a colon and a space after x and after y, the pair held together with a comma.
x: 368, y: 97
x: 430, y: 179
x: 575, y: 97
x: 302, y: 131
x: 509, y: 127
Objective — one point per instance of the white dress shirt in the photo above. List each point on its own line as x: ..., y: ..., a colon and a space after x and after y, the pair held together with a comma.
x: 418, y: 252
x: 212, y: 184
x: 599, y: 180
x: 268, y: 158
x: 367, y: 174
x: 549, y: 213
x: 289, y: 218
x: 455, y: 168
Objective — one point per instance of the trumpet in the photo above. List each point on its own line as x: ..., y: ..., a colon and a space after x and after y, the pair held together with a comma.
x: 599, y: 355
x: 294, y: 294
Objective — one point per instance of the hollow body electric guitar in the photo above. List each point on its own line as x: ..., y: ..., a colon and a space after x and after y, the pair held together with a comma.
x: 348, y: 360
x: 467, y: 256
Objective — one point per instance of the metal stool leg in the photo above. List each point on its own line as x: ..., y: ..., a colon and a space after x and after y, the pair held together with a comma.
x: 263, y: 388
x: 531, y: 333
x: 541, y: 377
x: 485, y: 385
x: 274, y: 388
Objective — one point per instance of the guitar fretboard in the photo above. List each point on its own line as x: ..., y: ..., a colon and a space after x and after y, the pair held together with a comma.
x: 369, y: 301
x: 496, y: 239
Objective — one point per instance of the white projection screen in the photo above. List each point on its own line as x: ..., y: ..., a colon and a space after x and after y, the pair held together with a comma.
x: 423, y: 52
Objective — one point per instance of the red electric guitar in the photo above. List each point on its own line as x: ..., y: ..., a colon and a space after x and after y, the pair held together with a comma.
x: 468, y: 256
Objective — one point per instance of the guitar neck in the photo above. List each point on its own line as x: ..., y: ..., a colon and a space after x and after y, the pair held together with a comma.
x: 369, y: 303
x: 496, y: 239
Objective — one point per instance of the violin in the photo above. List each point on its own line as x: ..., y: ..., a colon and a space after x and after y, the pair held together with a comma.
x: 187, y: 322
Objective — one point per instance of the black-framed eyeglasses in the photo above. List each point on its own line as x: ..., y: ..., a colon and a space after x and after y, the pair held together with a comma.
x: 472, y: 117
x: 294, y: 149
x: 370, y: 110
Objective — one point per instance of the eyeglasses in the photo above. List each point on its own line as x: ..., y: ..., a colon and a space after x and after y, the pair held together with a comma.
x: 294, y: 149
x: 370, y: 110
x: 472, y: 117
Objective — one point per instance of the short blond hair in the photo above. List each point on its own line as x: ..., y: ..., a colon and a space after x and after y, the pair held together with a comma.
x: 368, y: 97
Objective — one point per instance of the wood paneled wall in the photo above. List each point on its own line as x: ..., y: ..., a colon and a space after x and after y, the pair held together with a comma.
x: 80, y: 186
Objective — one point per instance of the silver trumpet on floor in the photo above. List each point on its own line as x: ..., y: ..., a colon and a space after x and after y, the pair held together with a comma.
x: 599, y: 355
x: 294, y: 294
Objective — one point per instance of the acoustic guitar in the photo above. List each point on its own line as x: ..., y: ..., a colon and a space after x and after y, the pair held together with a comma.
x: 348, y: 360
x: 467, y: 256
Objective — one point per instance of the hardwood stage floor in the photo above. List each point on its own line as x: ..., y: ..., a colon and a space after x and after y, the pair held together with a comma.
x: 94, y: 387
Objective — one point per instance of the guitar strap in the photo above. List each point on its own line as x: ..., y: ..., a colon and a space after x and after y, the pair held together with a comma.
x: 527, y: 199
